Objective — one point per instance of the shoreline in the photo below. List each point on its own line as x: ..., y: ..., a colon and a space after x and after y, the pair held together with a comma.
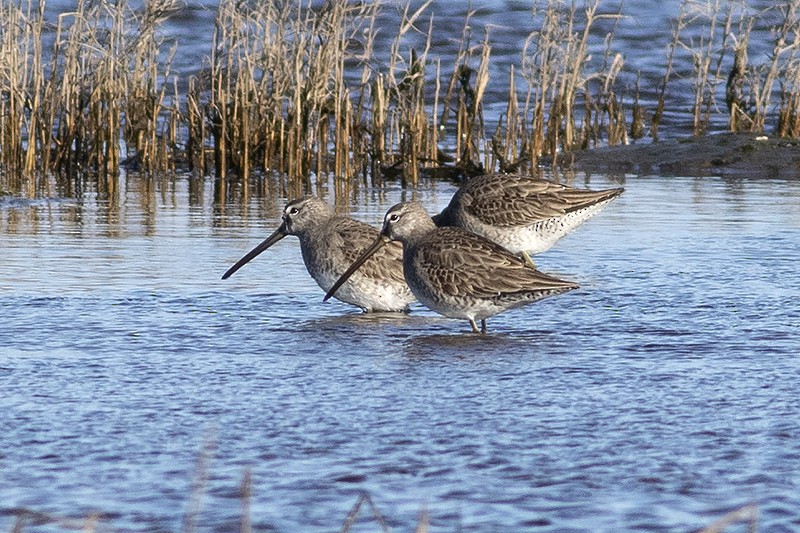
x: 734, y: 155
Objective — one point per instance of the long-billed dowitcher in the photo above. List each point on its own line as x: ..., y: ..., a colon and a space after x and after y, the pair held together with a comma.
x: 522, y: 214
x: 456, y: 273
x: 329, y: 244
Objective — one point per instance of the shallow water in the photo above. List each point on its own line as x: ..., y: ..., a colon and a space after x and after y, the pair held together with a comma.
x: 657, y: 397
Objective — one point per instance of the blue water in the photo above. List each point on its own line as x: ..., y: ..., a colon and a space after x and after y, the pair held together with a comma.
x: 136, y: 384
x: 659, y: 396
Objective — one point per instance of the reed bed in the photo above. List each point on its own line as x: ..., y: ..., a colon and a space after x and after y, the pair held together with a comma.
x: 297, y: 90
x: 81, y: 92
x: 717, y: 37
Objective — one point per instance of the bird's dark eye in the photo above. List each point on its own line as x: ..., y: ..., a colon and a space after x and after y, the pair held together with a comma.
x: 293, y: 210
x: 394, y: 217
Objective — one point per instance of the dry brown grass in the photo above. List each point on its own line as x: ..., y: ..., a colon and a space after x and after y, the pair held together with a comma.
x: 98, y: 90
x: 297, y: 91
x: 720, y: 59
x: 556, y: 69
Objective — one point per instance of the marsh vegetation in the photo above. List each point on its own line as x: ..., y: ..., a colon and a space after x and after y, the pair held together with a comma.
x: 297, y: 90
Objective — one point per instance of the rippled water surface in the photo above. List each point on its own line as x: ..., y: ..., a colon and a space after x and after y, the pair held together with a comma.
x: 136, y: 384
x: 657, y: 397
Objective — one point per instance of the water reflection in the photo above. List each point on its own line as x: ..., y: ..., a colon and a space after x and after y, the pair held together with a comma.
x: 621, y: 404
x: 350, y: 322
x: 458, y: 342
x: 423, y: 334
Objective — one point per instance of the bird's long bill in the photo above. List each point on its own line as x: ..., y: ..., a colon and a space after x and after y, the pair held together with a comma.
x: 277, y: 235
x: 379, y: 243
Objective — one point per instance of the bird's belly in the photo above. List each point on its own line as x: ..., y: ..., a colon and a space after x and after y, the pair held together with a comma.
x: 368, y: 293
x: 532, y: 238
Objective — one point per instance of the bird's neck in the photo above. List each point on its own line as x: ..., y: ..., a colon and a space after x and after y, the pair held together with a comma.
x: 422, y: 228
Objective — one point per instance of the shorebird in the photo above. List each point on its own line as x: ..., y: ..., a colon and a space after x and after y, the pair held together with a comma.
x: 456, y: 273
x: 329, y: 244
x: 522, y: 214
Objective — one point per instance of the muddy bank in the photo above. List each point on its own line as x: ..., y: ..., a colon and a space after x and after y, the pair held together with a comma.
x: 731, y: 155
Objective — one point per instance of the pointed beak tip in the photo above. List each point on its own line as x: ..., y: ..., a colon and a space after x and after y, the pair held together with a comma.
x: 379, y: 242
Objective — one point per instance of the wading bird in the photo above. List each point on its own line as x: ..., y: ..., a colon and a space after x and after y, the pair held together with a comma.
x: 522, y: 214
x: 454, y: 272
x: 329, y: 244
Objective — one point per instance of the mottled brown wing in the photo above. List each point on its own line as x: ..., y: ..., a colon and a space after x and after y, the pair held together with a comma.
x: 462, y: 263
x: 356, y: 236
x: 508, y: 200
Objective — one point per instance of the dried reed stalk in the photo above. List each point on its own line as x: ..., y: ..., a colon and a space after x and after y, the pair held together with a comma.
x: 786, y: 43
x: 556, y: 67
x: 199, y: 479
x: 638, y: 117
x: 678, y: 26
x: 789, y: 111
x: 747, y: 514
x: 245, y: 492
x: 352, y: 516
